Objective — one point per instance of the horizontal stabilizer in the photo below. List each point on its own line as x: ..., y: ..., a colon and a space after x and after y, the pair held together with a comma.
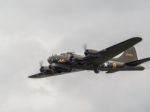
x: 138, y: 62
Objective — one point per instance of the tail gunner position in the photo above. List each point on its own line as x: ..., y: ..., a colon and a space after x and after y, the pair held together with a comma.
x: 95, y: 60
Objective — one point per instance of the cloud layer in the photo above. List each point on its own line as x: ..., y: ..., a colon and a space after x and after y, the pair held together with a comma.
x: 32, y: 30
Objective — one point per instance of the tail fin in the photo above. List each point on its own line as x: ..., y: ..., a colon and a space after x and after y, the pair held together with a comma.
x: 137, y: 62
x: 127, y: 56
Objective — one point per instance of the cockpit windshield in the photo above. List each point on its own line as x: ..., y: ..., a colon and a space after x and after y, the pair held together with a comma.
x: 64, y: 57
x: 53, y: 59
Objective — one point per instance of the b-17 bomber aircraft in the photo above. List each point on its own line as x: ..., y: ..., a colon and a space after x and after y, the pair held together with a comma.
x: 95, y: 60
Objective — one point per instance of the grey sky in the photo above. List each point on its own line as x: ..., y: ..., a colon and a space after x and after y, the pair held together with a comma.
x: 31, y: 30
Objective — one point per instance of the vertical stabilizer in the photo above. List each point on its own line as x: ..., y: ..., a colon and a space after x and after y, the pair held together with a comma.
x: 127, y: 56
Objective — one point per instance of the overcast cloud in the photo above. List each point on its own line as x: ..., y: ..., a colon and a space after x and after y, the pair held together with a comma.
x: 32, y: 30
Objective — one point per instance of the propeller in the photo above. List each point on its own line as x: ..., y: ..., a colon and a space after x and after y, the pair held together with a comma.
x: 41, y: 66
x: 41, y: 63
x: 85, y: 47
x: 86, y: 52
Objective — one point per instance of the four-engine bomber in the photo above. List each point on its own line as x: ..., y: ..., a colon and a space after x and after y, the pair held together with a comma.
x: 95, y: 60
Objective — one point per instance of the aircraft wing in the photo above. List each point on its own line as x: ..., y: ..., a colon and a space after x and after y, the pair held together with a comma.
x: 42, y: 75
x: 110, y: 52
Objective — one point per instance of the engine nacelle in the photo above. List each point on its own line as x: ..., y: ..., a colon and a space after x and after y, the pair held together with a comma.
x: 90, y: 52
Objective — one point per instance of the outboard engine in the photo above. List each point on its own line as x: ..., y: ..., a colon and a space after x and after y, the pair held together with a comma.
x: 89, y: 52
